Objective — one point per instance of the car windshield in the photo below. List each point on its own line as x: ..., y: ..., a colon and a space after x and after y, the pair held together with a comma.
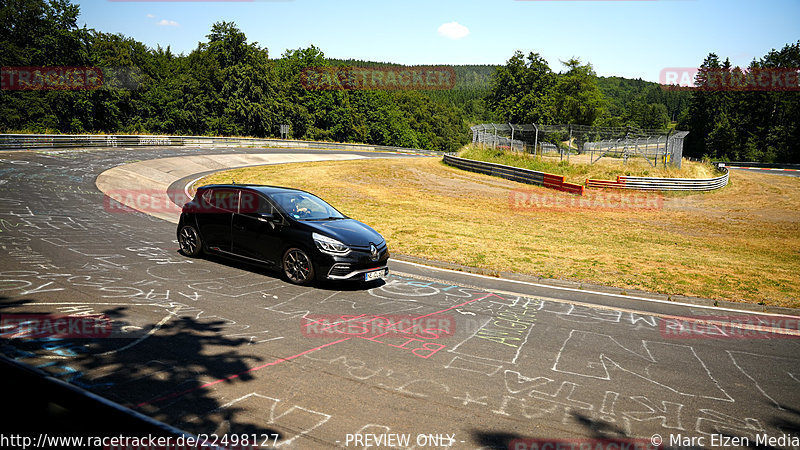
x: 304, y: 206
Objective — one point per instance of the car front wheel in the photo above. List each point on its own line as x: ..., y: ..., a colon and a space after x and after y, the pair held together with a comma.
x: 297, y: 266
x: 189, y: 240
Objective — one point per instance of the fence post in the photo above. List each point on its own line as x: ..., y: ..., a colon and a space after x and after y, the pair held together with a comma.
x: 666, y: 147
x: 512, y: 136
x: 569, y: 142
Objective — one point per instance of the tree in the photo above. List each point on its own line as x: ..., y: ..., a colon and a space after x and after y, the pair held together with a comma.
x: 228, y: 44
x: 577, y: 97
x: 39, y: 33
x: 646, y: 115
x: 699, y: 121
x: 733, y: 124
x: 522, y: 90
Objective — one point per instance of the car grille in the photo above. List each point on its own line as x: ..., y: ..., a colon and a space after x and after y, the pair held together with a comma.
x: 340, y: 270
x: 382, y: 249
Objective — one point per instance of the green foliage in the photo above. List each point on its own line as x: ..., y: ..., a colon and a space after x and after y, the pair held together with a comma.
x: 523, y: 90
x: 633, y: 102
x: 744, y: 125
x: 577, y: 98
x: 473, y: 83
x: 229, y: 86
x: 526, y: 90
x: 226, y: 86
x: 722, y: 124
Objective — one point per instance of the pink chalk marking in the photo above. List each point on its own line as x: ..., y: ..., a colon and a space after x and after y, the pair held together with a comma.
x: 252, y: 369
x: 288, y: 358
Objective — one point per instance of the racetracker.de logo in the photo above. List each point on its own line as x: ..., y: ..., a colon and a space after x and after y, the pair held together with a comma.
x: 346, y: 78
x: 733, y: 79
x: 50, y: 78
x: 38, y: 326
x: 370, y: 326
x: 153, y: 201
x: 531, y: 200
x: 730, y: 327
x: 144, y: 200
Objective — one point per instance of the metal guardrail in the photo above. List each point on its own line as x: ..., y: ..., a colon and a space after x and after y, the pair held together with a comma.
x: 517, y: 174
x: 757, y: 164
x: 663, y: 184
x: 40, y: 141
x: 557, y: 182
x: 31, y: 141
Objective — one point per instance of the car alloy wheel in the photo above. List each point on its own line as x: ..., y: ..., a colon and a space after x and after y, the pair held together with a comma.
x: 297, y: 266
x: 189, y: 240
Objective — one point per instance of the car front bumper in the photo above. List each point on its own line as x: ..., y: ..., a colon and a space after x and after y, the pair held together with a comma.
x: 353, y: 266
x: 356, y: 275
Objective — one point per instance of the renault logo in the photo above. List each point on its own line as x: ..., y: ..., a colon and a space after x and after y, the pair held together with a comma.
x: 373, y: 251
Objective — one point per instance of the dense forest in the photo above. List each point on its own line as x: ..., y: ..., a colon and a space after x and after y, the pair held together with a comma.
x: 232, y: 87
x: 226, y: 86
x: 741, y: 124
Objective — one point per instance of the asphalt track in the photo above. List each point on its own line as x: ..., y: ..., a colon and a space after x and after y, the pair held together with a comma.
x: 212, y: 346
x: 770, y: 171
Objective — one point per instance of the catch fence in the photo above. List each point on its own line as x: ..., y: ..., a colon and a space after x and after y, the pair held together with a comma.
x: 657, y: 147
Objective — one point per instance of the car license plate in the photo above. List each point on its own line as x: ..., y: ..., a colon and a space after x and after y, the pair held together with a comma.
x: 377, y: 274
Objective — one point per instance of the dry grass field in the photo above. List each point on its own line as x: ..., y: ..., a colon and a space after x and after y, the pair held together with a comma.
x: 740, y: 243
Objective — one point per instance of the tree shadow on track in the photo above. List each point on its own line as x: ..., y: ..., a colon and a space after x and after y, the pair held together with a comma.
x: 592, y: 434
x: 788, y: 421
x: 166, y: 374
x: 6, y: 302
x: 193, y: 356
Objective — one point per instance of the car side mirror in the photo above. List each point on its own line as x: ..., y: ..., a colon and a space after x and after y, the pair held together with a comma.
x: 266, y: 217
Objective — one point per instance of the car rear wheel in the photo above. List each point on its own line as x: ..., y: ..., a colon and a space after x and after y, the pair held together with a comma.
x: 297, y: 266
x: 189, y: 240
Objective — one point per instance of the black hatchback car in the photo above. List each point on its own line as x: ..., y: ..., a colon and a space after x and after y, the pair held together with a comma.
x: 287, y: 229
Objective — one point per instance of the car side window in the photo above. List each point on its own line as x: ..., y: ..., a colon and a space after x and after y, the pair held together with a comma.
x: 224, y: 199
x: 265, y: 207
x: 251, y: 202
x: 208, y: 196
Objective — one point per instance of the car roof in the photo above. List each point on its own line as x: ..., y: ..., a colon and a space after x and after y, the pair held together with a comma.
x: 265, y: 189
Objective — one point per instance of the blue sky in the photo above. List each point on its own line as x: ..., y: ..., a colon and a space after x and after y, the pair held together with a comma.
x: 635, y: 39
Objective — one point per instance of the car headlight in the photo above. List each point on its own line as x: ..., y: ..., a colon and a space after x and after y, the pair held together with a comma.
x: 330, y: 245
